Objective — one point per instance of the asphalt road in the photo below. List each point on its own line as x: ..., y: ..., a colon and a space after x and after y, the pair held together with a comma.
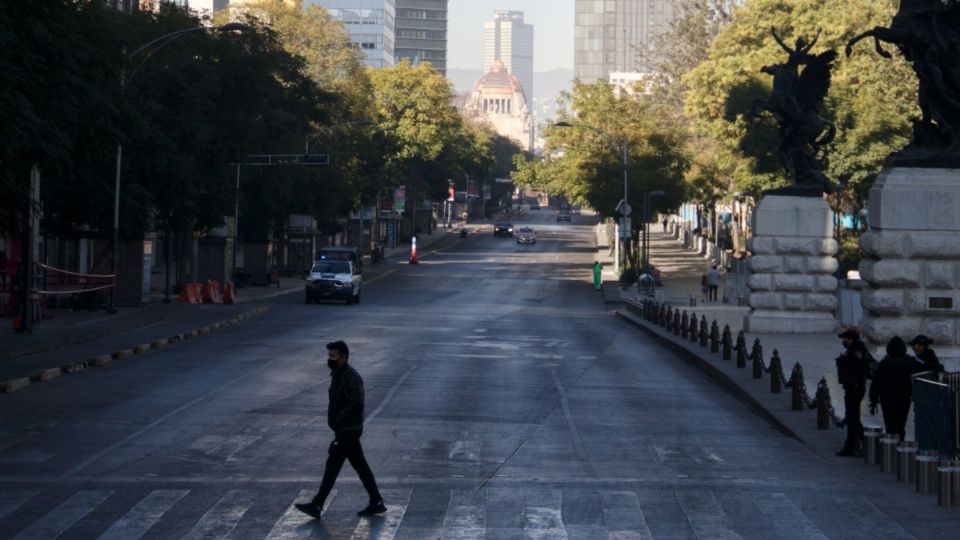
x: 503, y: 401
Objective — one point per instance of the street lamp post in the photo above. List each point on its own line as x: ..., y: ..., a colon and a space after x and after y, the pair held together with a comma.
x: 620, y: 144
x: 645, y: 248
x: 125, y: 79
x: 308, y: 140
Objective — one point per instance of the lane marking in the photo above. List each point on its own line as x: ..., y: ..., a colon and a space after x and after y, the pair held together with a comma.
x: 571, y: 425
x: 294, y: 523
x: 58, y: 520
x: 786, y: 517
x: 705, y: 516
x: 624, y: 517
x: 464, y: 520
x: 393, y: 390
x: 9, y: 502
x: 382, y: 526
x: 222, y: 518
x: 542, y: 522
x: 135, y: 523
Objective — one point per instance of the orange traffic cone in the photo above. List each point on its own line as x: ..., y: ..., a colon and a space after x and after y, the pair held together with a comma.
x: 229, y: 295
x: 413, y: 251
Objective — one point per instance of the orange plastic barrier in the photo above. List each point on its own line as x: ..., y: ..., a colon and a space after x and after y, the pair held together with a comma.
x: 190, y: 294
x: 211, y: 292
x: 229, y: 295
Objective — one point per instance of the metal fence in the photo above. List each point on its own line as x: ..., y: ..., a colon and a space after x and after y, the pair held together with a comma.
x: 937, y: 413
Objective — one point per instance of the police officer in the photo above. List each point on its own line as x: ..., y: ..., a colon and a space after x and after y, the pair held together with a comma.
x: 893, y: 387
x: 925, y: 356
x: 852, y: 369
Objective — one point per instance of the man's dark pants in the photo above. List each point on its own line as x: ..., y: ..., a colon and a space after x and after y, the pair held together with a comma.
x: 713, y: 292
x: 895, y: 413
x: 346, y: 447
x: 852, y: 398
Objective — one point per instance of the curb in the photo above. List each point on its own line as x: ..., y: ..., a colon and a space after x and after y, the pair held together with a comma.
x: 714, y: 373
x: 13, y: 385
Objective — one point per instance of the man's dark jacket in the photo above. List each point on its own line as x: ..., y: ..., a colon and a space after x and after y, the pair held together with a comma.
x: 892, y: 381
x: 929, y: 361
x: 853, y: 365
x: 345, y: 412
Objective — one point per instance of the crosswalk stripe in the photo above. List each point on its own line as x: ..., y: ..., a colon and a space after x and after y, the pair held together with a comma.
x: 464, y: 520
x: 383, y: 526
x: 873, y: 521
x: 541, y: 522
x: 786, y: 517
x: 64, y: 516
x: 220, y: 520
x: 624, y: 516
x: 294, y: 523
x: 9, y: 502
x: 135, y: 523
x: 705, y: 516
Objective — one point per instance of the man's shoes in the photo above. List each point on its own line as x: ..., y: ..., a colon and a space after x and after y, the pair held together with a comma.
x: 309, y: 509
x: 373, y: 508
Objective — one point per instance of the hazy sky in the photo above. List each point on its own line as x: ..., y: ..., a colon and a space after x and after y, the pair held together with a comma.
x: 552, y: 22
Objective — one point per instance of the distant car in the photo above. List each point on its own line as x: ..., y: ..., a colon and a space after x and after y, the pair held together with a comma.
x: 341, y: 253
x: 534, y: 206
x: 503, y: 229
x: 575, y: 211
x: 333, y: 280
x: 525, y: 235
x: 563, y: 215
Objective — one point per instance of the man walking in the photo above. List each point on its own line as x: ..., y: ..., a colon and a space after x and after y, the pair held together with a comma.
x: 345, y: 418
x: 714, y: 280
x: 925, y: 356
x: 892, y: 387
x: 852, y: 369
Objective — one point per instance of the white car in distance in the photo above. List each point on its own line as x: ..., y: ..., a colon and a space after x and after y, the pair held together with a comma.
x: 525, y: 235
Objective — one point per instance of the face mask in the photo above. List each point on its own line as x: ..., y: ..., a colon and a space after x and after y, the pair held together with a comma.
x: 331, y: 364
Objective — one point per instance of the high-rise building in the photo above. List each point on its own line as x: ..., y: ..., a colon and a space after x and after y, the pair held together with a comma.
x: 421, y: 32
x: 370, y: 24
x: 510, y: 40
x: 608, y: 33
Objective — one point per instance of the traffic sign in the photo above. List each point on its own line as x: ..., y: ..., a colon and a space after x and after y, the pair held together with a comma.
x: 625, y: 228
x: 624, y: 209
x: 288, y: 159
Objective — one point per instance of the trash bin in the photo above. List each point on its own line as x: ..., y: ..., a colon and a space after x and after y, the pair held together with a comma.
x: 926, y: 477
x: 946, y: 477
x: 888, y: 452
x: 871, y: 445
x: 906, y: 461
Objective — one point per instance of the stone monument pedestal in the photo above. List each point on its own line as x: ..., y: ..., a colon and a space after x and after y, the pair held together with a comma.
x: 912, y: 261
x: 792, y: 286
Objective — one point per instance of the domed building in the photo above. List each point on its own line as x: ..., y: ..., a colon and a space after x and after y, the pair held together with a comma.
x: 499, y: 99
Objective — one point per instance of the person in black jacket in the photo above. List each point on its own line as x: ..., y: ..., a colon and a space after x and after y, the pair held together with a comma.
x: 925, y: 356
x: 893, y: 387
x: 345, y: 418
x: 852, y: 369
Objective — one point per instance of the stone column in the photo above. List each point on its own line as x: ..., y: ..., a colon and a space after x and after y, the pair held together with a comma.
x: 792, y: 286
x: 912, y: 261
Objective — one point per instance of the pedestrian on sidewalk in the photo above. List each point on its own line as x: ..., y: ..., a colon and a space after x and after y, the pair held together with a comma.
x: 597, y: 275
x: 345, y: 418
x: 892, y: 387
x: 852, y: 369
x: 925, y: 356
x: 705, y: 287
x: 665, y: 223
x: 714, y: 282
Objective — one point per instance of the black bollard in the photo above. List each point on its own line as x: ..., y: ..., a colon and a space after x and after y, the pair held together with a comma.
x: 741, y: 350
x: 669, y: 321
x: 823, y: 405
x: 704, y: 335
x: 663, y: 316
x: 725, y: 341
x: 676, y: 322
x: 693, y: 328
x: 684, y: 325
x: 756, y: 356
x: 796, y: 387
x: 714, y: 337
x: 775, y: 369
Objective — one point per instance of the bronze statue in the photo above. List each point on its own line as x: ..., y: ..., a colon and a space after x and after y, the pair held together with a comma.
x: 927, y: 33
x: 796, y: 102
